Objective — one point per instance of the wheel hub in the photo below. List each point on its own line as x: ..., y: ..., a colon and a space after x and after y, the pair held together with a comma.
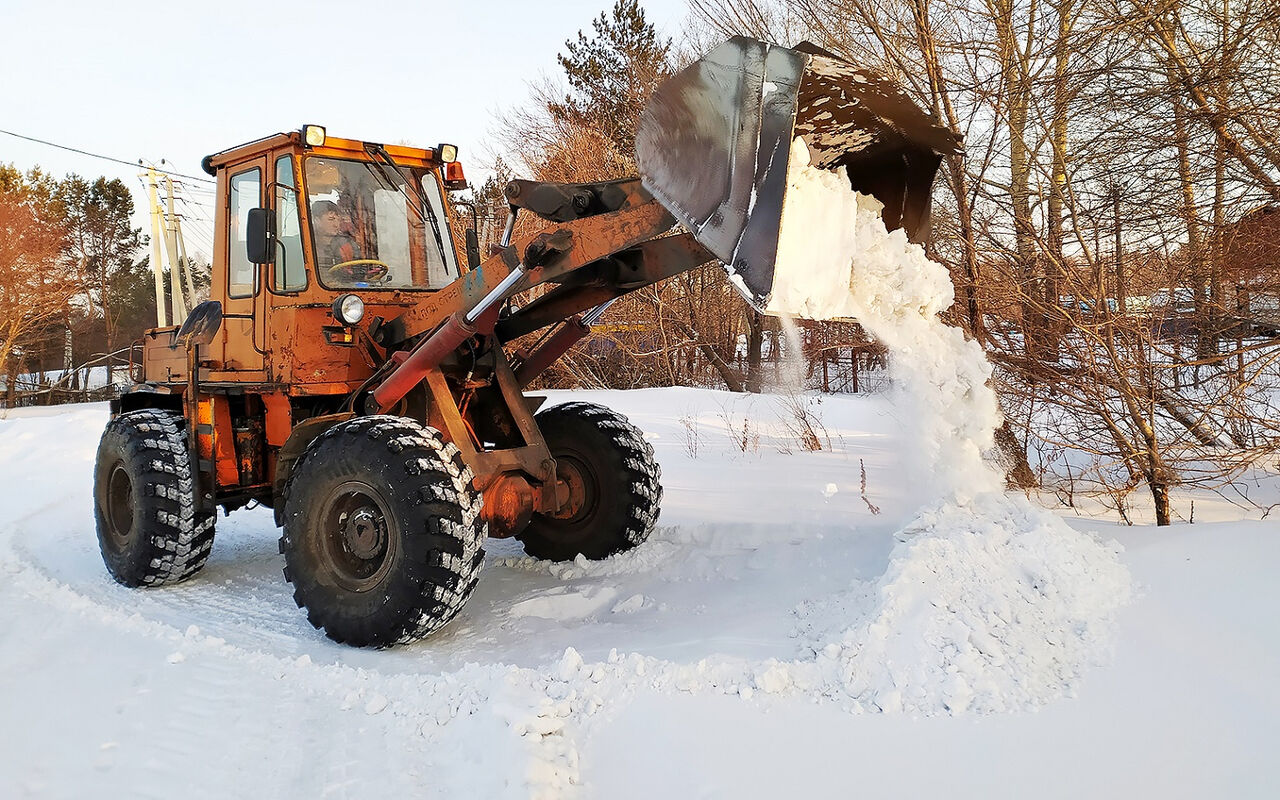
x: 359, y: 536
x: 572, y: 475
x: 119, y: 506
x: 364, y: 533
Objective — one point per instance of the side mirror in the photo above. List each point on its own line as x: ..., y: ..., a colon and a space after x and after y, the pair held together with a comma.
x: 260, y: 236
x: 201, y: 325
x: 473, y: 249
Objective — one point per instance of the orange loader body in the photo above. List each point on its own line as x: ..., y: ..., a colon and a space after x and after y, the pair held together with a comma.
x: 354, y: 368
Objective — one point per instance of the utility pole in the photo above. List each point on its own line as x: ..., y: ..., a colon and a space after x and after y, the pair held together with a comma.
x: 1120, y: 288
x: 162, y: 319
x: 180, y: 304
x: 187, y: 276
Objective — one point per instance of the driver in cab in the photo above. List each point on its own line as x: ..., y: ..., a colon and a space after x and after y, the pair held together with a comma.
x: 338, y: 256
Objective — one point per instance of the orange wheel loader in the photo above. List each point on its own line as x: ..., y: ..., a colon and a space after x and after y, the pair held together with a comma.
x: 354, y: 371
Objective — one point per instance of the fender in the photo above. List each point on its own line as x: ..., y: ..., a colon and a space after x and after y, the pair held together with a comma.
x: 303, y: 434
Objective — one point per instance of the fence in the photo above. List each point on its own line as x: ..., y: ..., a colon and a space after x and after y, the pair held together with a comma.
x: 93, y: 381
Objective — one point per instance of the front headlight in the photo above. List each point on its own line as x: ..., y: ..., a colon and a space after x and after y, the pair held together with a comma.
x: 348, y: 309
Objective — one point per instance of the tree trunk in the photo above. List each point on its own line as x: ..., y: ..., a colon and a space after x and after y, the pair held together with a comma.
x: 1058, y: 184
x: 11, y: 388
x: 1121, y: 288
x: 1160, y: 495
x: 755, y: 346
x: 1018, y: 473
x: 1017, y: 94
x: 1191, y: 215
x: 942, y: 107
x: 106, y: 320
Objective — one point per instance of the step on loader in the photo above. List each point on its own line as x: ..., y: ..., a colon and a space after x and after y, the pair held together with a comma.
x: 355, y: 371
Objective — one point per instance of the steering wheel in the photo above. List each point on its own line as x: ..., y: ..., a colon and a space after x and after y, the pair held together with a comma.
x: 375, y: 270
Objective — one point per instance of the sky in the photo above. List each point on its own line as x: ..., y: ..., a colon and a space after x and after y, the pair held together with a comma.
x: 179, y: 80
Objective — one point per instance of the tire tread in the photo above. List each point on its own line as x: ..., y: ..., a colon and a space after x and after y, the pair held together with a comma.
x: 445, y: 520
x: 178, y: 538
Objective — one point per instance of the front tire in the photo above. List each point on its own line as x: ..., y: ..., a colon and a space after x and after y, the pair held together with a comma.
x: 382, y: 533
x: 149, y: 530
x: 613, y: 483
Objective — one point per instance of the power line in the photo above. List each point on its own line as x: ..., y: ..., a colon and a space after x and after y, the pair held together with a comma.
x: 134, y: 164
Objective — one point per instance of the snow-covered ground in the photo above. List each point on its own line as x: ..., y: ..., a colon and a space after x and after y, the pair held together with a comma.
x: 749, y: 649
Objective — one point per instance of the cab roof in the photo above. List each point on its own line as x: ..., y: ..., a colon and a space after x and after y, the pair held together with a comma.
x: 334, y: 147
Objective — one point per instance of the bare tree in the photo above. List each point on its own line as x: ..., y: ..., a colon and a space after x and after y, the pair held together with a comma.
x: 1112, y: 149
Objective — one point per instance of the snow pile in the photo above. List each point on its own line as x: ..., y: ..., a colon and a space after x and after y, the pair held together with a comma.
x: 991, y: 607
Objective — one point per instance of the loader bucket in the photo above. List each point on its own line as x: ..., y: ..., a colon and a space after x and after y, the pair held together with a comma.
x: 714, y: 147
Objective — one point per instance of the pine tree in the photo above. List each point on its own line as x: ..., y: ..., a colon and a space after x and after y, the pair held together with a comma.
x: 133, y: 299
x: 612, y: 73
x: 102, y: 241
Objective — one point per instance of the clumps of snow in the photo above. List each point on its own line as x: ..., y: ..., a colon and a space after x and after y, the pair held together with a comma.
x: 632, y: 604
x: 566, y: 604
x: 376, y: 704
x: 661, y: 548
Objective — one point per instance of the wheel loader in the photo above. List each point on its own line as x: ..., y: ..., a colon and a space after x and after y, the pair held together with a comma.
x: 356, y: 371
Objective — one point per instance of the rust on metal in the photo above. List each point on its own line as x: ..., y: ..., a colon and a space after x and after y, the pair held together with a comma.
x: 508, y: 505
x: 572, y: 332
x: 227, y: 467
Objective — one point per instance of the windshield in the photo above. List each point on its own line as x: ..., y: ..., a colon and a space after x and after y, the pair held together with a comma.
x: 370, y: 229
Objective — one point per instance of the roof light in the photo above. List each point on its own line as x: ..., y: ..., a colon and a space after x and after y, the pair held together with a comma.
x: 453, y: 176
x: 313, y: 135
x: 447, y: 152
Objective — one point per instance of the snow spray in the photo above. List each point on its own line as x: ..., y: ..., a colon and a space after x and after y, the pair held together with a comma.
x: 989, y: 603
x: 836, y: 260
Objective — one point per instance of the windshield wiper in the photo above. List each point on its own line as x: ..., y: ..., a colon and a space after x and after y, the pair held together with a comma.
x: 393, y: 177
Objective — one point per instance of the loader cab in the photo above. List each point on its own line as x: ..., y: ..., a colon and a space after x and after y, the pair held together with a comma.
x: 304, y: 219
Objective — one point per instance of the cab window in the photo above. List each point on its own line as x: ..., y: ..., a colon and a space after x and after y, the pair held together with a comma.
x: 246, y: 193
x: 377, y: 227
x: 290, y: 273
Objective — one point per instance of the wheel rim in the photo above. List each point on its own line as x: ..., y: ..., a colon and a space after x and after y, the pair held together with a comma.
x: 584, y: 490
x: 360, y: 537
x: 119, y: 509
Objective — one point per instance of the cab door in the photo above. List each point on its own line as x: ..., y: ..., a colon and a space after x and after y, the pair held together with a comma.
x: 244, y: 340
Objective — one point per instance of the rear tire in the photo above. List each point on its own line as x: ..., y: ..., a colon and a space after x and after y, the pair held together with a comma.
x: 613, y: 479
x: 149, y: 530
x: 382, y: 532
